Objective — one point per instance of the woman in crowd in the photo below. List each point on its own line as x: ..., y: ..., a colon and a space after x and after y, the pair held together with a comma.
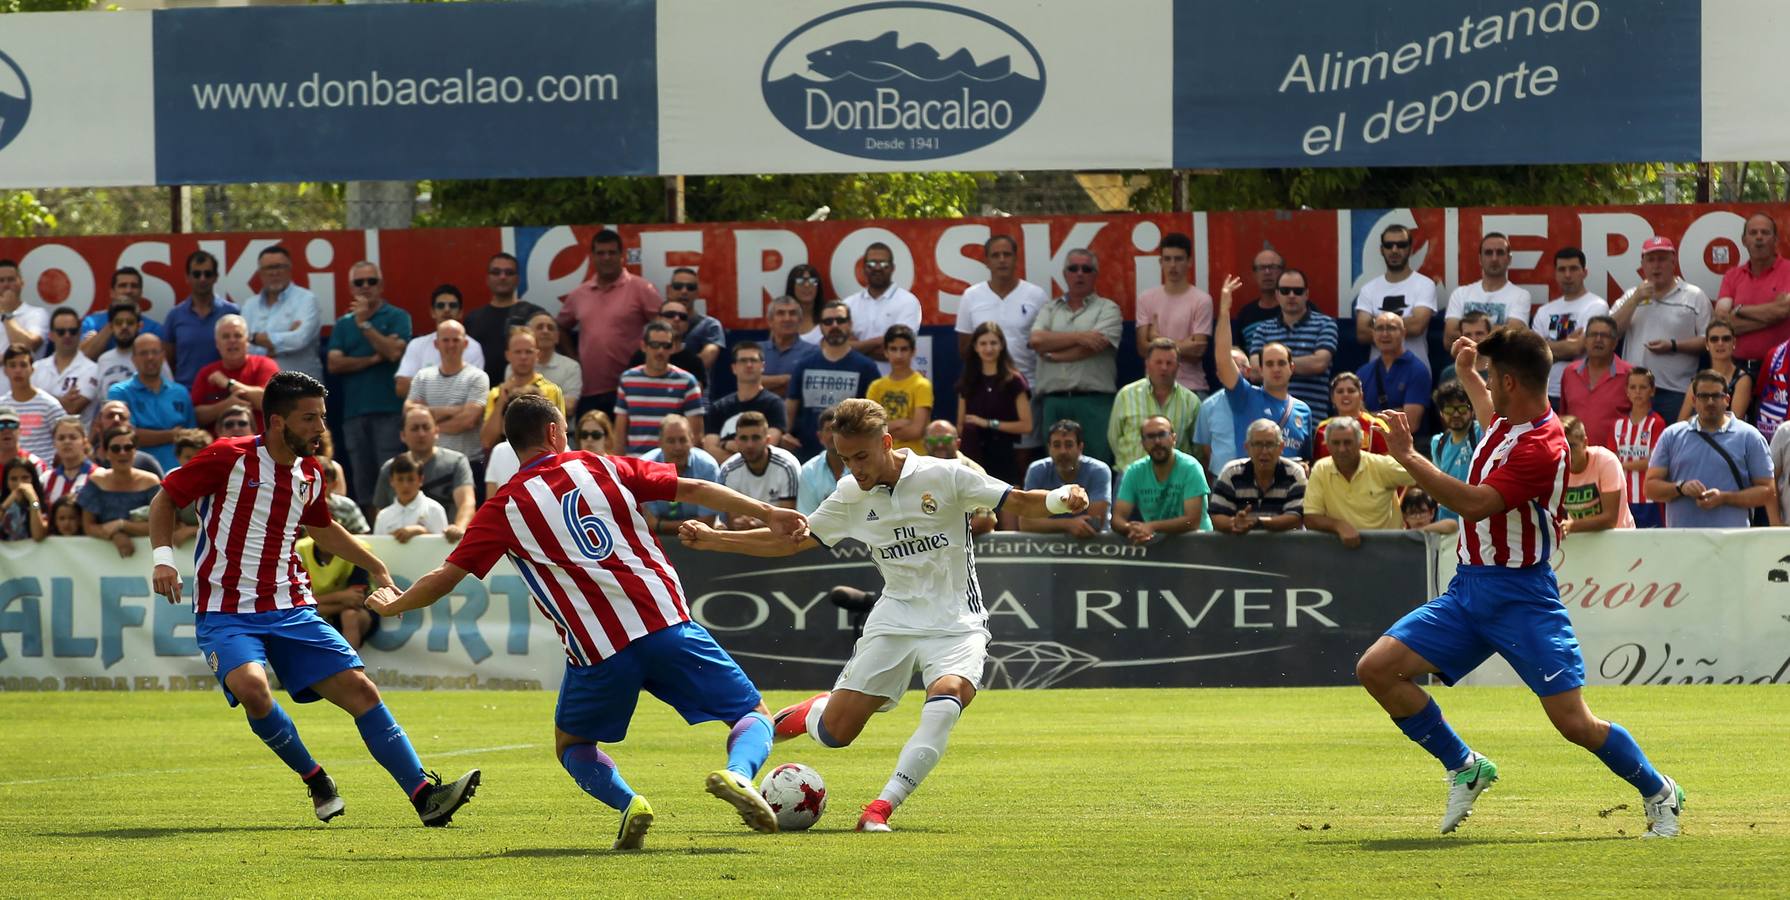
x: 994, y: 405
x: 810, y: 291
x: 22, y: 509
x: 1720, y: 336
x: 65, y: 518
x: 115, y: 414
x: 67, y: 471
x: 1346, y: 401
x: 111, y: 493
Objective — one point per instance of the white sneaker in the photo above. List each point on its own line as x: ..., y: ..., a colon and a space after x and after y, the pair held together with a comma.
x: 1464, y: 787
x: 1662, y: 811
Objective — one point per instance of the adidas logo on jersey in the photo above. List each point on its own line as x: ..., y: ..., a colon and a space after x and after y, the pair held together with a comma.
x: 871, y: 517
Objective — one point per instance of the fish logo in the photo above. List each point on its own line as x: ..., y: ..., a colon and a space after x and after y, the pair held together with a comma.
x: 903, y: 81
x: 15, y: 99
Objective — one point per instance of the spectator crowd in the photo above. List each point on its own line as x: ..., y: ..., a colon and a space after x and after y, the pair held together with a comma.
x: 1244, y: 419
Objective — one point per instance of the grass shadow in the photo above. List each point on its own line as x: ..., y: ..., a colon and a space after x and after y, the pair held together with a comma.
x: 1400, y: 845
x: 174, y: 831
x: 552, y: 853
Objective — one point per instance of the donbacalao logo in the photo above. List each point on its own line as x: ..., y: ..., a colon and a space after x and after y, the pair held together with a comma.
x: 15, y: 99
x: 903, y: 81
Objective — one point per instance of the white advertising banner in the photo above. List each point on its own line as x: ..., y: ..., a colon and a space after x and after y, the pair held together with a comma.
x: 1671, y: 606
x: 77, y: 99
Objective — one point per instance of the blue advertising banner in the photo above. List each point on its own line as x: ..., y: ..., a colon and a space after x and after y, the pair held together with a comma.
x: 468, y: 90
x: 1293, y: 83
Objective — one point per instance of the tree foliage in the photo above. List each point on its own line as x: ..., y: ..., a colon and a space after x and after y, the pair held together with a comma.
x: 1354, y: 188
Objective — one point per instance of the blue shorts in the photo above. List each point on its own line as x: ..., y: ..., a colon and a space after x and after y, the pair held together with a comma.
x: 681, y: 665
x: 297, y: 644
x: 1515, y: 613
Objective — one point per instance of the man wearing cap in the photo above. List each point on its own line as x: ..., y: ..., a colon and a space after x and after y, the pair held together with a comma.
x: 1662, y: 320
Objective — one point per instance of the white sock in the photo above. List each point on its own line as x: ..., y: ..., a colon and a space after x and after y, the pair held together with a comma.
x: 922, y: 751
x: 812, y: 722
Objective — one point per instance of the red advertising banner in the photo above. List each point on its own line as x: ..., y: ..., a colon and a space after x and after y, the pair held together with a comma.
x: 743, y: 265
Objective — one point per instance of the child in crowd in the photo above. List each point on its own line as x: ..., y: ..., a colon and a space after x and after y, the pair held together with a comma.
x: 412, y: 513
x: 1420, y: 512
x: 341, y: 591
x: 904, y: 393
x: 65, y: 518
x: 1635, y: 437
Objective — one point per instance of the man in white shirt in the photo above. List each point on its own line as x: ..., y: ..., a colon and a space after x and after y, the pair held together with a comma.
x: 412, y: 512
x: 1012, y: 304
x: 117, y: 365
x: 1562, y: 320
x: 446, y: 306
x: 20, y: 322
x: 1492, y: 294
x: 759, y: 470
x: 1662, y: 321
x: 880, y: 304
x: 67, y: 373
x: 1401, y: 289
x: 283, y: 321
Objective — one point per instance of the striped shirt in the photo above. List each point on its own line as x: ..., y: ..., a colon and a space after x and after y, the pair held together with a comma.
x: 1527, y: 462
x: 252, y: 512
x: 647, y: 399
x: 572, y: 526
x: 59, y: 484
x: 37, y: 420
x: 1235, y: 487
x: 1771, y: 391
x: 1636, y: 440
x: 1136, y: 402
x: 1309, y: 335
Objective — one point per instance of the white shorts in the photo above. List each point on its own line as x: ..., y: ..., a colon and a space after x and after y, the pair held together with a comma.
x: 883, y: 665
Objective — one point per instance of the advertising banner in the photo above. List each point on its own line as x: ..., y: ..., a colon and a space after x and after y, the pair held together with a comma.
x: 1203, y: 610
x: 1681, y: 606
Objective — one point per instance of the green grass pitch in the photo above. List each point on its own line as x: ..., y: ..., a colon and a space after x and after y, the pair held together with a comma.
x: 1078, y: 793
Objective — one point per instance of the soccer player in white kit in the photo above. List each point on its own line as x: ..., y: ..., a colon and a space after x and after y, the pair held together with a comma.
x: 913, y: 512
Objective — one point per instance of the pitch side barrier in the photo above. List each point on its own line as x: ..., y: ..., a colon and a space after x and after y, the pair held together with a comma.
x: 1199, y: 610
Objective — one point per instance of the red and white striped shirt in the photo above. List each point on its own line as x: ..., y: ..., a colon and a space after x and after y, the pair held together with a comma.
x: 1636, y: 441
x: 58, y: 484
x: 1527, y: 462
x: 250, y: 518
x: 572, y: 525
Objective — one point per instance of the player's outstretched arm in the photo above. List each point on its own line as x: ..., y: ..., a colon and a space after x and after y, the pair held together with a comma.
x: 1070, y: 498
x: 757, y: 542
x: 785, y: 523
x: 1473, y: 501
x: 166, y: 579
x: 423, y: 592
x: 336, y: 539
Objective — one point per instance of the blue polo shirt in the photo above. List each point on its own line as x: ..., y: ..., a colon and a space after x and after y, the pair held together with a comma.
x: 102, y: 321
x: 1685, y: 456
x: 170, y: 407
x: 1408, y: 381
x: 784, y: 362
x: 1093, y: 475
x: 1216, y: 431
x: 369, y: 392
x: 699, y: 464
x: 1250, y: 402
x: 193, y: 339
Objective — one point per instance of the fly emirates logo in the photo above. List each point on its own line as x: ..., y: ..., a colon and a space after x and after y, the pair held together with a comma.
x: 909, y: 543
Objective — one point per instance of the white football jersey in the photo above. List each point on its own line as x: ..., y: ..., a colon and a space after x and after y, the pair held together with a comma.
x: 918, y: 533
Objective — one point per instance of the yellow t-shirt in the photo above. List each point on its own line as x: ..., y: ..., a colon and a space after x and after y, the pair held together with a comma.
x: 901, y: 398
x: 1369, y: 501
x: 548, y: 389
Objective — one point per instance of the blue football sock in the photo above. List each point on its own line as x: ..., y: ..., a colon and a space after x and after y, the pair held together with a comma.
x: 749, y: 744
x: 281, y: 736
x: 391, y: 747
x: 1624, y: 757
x: 1432, y: 733
x: 595, y: 772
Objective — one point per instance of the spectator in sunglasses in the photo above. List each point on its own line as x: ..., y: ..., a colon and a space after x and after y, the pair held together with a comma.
x: 489, y: 326
x: 676, y: 312
x: 67, y: 374
x: 1309, y: 336
x: 112, y: 492
x: 192, y: 325
x: 654, y: 389
x: 364, y: 350
x: 880, y: 304
x: 445, y: 305
x: 1075, y: 337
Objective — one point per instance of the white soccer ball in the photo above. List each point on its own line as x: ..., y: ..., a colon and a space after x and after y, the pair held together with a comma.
x: 797, y: 795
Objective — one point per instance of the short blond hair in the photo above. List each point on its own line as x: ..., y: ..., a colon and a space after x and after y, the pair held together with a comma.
x: 860, y: 418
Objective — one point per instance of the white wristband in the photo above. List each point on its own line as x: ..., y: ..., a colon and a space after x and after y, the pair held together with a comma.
x: 1057, y: 501
x: 163, y: 556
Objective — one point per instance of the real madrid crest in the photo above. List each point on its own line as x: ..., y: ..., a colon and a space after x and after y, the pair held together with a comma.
x: 928, y: 505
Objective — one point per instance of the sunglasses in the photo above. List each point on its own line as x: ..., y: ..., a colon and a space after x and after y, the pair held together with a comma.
x: 122, y: 448
x: 878, y: 264
x: 1291, y: 291
x: 658, y: 345
x: 9, y: 426
x: 593, y: 435
x: 684, y: 285
x: 808, y: 280
x: 65, y: 332
x: 940, y: 441
x: 364, y: 282
x: 681, y: 317
x: 1395, y: 245
x: 1456, y: 410
x: 202, y: 273
x: 1721, y: 338
x: 1080, y: 269
x: 501, y: 273
x: 835, y: 320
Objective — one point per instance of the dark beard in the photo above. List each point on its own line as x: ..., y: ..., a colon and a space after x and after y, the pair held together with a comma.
x: 297, y: 445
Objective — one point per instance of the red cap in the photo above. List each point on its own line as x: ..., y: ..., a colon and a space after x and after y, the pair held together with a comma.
x: 1657, y: 244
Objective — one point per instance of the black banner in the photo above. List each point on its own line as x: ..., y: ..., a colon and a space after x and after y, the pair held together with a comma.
x: 1263, y: 610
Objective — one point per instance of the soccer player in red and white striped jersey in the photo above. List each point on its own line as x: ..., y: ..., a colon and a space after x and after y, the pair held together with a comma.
x: 253, y: 599
x: 571, y: 524
x: 1503, y: 598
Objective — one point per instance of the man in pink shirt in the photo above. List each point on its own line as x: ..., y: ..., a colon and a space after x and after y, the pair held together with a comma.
x: 1594, y: 387
x: 1756, y: 296
x: 1179, y: 311
x: 609, y: 310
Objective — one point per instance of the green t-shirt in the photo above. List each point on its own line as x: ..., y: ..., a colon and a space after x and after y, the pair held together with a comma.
x: 1154, y: 501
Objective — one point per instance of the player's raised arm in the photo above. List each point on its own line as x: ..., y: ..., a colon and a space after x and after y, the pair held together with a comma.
x: 1473, y: 501
x: 757, y: 542
x: 1466, y: 371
